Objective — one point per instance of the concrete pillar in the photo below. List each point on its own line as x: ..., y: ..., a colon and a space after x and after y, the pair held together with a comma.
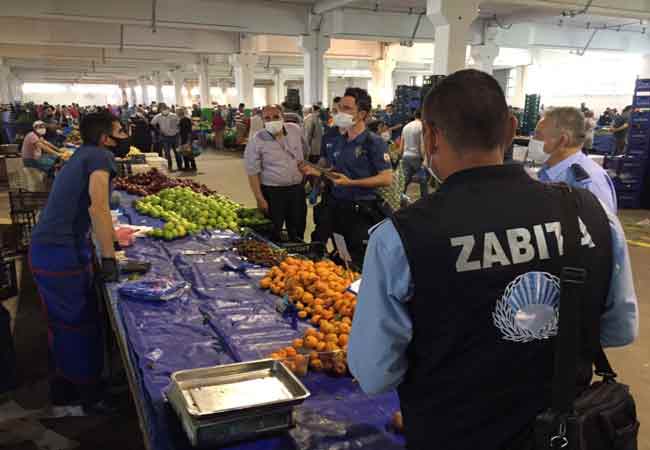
x: 157, y: 82
x: 314, y: 47
x: 5, y: 95
x: 132, y: 94
x: 204, y: 82
x: 452, y: 20
x: 382, y: 90
x: 484, y: 54
x: 279, y: 80
x: 142, y: 81
x: 179, y: 79
x: 243, y: 65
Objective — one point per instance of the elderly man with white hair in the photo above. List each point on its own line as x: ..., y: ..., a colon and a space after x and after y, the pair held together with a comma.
x: 560, y: 135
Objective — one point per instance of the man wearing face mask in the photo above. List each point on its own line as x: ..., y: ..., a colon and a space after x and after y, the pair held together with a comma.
x: 450, y: 307
x: 168, y: 124
x: 272, y: 157
x: 359, y: 163
x: 61, y: 260
x: 560, y: 135
x: 36, y: 151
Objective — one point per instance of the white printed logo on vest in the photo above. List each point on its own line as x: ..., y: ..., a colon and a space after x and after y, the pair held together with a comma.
x: 529, y: 308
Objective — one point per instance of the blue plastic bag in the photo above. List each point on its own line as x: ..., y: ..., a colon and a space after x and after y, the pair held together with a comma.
x: 156, y: 289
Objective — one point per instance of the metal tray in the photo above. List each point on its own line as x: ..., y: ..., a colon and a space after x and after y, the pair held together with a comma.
x: 218, y: 405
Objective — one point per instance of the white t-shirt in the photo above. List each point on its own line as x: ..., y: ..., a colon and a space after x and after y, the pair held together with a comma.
x: 412, y: 137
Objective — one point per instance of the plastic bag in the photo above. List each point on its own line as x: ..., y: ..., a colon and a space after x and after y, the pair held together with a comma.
x: 158, y: 289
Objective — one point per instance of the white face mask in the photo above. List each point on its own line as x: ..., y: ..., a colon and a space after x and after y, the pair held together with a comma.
x: 274, y: 127
x: 386, y: 136
x: 344, y: 120
x: 536, y: 151
x: 165, y: 113
x: 41, y: 131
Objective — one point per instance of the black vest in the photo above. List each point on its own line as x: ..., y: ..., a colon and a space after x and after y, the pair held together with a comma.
x: 485, y: 261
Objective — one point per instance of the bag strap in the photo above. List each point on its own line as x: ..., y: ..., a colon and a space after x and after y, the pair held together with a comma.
x: 567, y: 342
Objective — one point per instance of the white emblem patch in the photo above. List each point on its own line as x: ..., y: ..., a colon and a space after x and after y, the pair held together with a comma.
x: 529, y: 308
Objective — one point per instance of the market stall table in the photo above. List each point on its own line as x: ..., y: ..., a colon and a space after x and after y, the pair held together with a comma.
x: 226, y: 318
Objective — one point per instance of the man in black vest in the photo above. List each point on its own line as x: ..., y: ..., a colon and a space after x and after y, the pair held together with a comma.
x: 460, y: 291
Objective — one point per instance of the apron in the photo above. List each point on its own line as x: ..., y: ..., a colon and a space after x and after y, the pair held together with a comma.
x: 64, y: 278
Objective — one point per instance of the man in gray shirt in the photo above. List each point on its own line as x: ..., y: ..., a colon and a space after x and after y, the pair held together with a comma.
x: 169, y: 125
x: 411, y: 148
x: 271, y: 159
x: 313, y: 133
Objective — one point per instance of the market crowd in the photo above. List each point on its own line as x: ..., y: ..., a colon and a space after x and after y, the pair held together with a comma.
x: 460, y: 293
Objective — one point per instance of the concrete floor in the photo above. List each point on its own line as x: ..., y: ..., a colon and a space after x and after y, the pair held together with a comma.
x: 224, y: 172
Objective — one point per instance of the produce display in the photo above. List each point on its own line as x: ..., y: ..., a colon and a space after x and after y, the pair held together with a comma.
x: 154, y: 181
x: 187, y: 212
x: 252, y: 217
x: 65, y: 154
x: 259, y: 252
x: 133, y: 151
x: 74, y: 137
x: 318, y: 290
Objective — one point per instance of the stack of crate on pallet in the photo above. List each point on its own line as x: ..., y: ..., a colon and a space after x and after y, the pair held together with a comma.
x: 629, y: 170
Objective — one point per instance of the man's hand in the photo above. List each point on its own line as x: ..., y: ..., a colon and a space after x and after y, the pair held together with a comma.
x: 308, y: 170
x: 263, y: 205
x: 109, y: 272
x: 339, y: 179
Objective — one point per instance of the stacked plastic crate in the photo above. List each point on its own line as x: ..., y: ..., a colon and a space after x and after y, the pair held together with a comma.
x: 406, y: 101
x: 628, y: 171
x: 531, y: 114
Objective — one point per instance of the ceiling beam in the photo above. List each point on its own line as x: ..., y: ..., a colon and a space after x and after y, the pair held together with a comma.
x: 324, y: 6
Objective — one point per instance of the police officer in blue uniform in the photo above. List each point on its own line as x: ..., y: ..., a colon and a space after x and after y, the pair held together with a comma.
x: 358, y: 162
x: 460, y: 290
x: 560, y: 135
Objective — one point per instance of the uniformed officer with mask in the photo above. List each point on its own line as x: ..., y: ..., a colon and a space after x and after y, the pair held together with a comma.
x: 560, y: 136
x: 360, y: 163
x: 460, y: 290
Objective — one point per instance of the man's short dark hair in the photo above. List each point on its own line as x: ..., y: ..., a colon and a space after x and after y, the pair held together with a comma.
x: 470, y: 109
x: 315, y: 108
x: 93, y: 125
x: 336, y: 100
x: 418, y: 114
x: 361, y: 97
x: 390, y: 105
x: 241, y: 105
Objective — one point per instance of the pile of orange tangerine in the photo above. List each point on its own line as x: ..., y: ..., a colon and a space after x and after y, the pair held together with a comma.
x: 319, y: 292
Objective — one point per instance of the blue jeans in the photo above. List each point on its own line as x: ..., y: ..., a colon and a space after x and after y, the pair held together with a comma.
x: 412, y: 165
x: 45, y: 164
x: 169, y: 144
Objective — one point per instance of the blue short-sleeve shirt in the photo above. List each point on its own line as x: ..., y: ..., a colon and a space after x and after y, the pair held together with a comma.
x: 65, y: 219
x: 363, y: 157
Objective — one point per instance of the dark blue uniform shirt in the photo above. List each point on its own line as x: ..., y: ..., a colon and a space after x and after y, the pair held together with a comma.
x: 363, y: 157
x: 65, y: 219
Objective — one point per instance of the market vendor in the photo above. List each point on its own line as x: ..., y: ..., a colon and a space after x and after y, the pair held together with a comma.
x: 561, y: 135
x: 61, y: 261
x: 272, y: 159
x: 37, y: 152
x: 458, y: 304
x: 361, y: 164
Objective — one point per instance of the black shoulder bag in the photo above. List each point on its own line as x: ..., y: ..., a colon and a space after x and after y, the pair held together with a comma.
x: 603, y: 416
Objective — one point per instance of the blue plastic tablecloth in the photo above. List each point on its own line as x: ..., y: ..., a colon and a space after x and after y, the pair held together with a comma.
x: 605, y: 144
x: 226, y: 318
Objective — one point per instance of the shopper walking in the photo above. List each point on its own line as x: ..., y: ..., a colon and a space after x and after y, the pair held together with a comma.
x: 272, y: 159
x: 459, y: 298
x: 185, y: 127
x: 218, y: 128
x: 313, y: 129
x: 168, y: 125
x: 360, y: 164
x: 241, y: 123
x: 620, y: 128
x: 412, y: 153
x: 561, y: 135
x: 61, y: 255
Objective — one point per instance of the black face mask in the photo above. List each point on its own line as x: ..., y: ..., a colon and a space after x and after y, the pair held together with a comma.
x: 122, y: 147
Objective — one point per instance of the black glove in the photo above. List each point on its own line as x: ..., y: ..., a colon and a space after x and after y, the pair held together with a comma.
x: 109, y: 271
x: 116, y: 246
